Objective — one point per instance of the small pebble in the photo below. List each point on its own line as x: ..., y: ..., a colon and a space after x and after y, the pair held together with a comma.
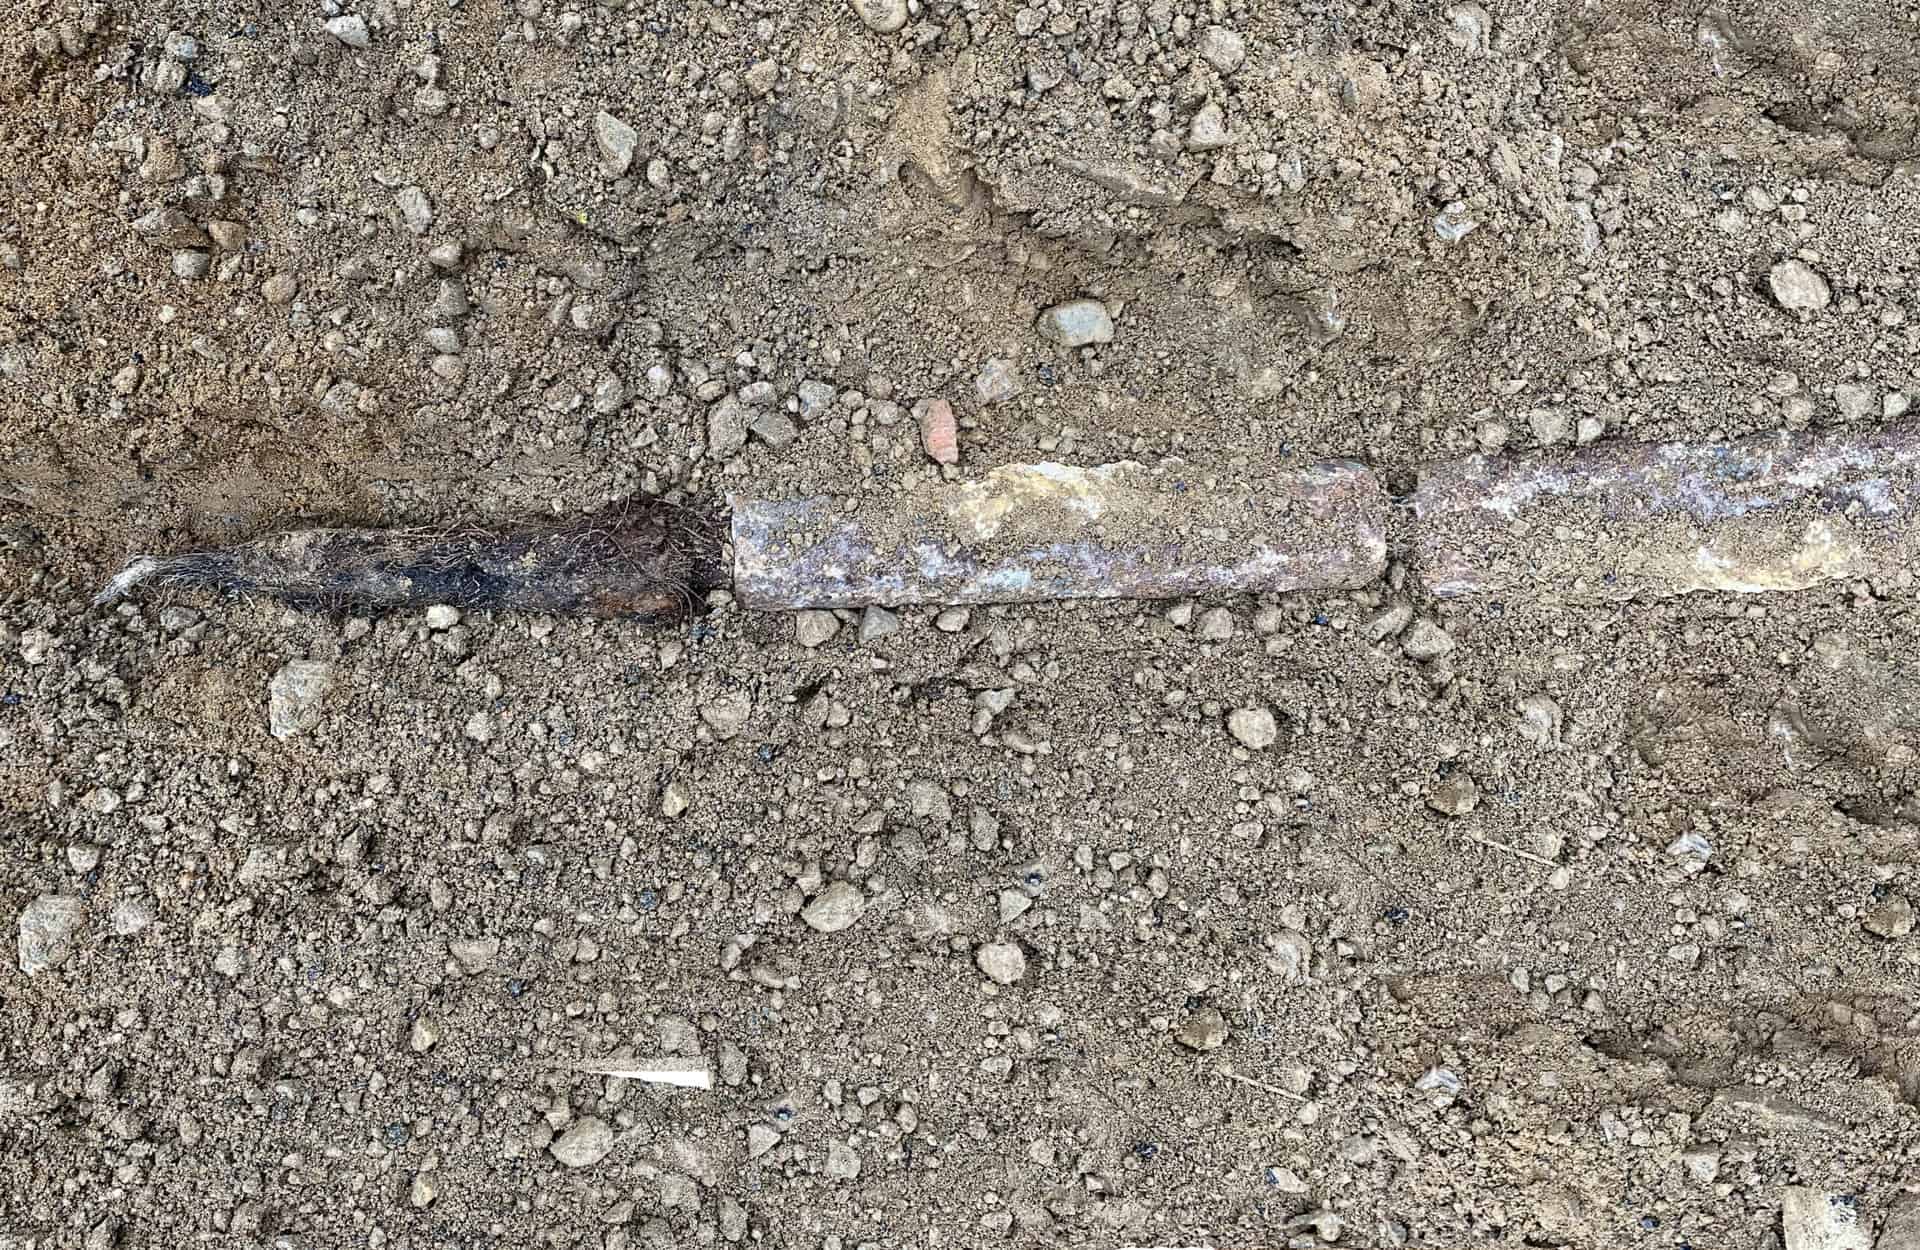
x: 814, y: 628
x: 415, y: 208
x: 882, y: 16
x: 939, y: 433
x: 280, y: 288
x: 1456, y: 796
x: 726, y: 714
x: 1208, y: 131
x: 760, y: 1139
x: 1890, y: 918
x: 294, y: 696
x: 1002, y: 962
x: 1076, y: 323
x: 350, y: 29
x: 835, y: 908
x: 1205, y: 1029
x: 996, y: 382
x: 1216, y: 625
x: 48, y: 928
x: 616, y: 141
x: 190, y: 264
x: 877, y: 622
x: 952, y: 620
x: 1253, y: 727
x: 585, y: 1143
x: 1223, y: 49
x: 1426, y: 641
x: 1798, y: 287
x: 774, y: 428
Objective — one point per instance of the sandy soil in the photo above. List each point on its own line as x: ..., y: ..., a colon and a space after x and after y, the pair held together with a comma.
x: 1587, y: 929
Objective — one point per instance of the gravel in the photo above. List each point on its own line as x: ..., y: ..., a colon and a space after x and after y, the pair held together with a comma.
x: 836, y: 908
x: 586, y: 1141
x: 1077, y: 323
x: 1253, y: 727
x: 939, y: 433
x: 1456, y: 796
x: 1426, y: 641
x: 883, y: 16
x: 49, y: 929
x: 1798, y: 286
x: 877, y: 622
x: 814, y: 628
x: 616, y: 141
x: 295, y: 696
x: 416, y: 210
x: 1203, y: 1030
x: 1003, y: 963
x: 350, y: 29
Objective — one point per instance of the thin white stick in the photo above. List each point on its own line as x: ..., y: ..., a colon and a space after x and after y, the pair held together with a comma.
x: 1491, y: 845
x: 685, y: 1073
x: 1231, y: 1075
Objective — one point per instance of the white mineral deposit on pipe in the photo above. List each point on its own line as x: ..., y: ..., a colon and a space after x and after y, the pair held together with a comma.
x: 1773, y: 512
x: 1053, y: 531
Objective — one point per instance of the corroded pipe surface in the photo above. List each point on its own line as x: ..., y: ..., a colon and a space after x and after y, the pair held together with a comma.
x: 1772, y: 512
x: 1053, y: 531
x: 640, y: 558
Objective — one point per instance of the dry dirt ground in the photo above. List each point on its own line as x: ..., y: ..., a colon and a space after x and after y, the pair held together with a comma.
x: 1591, y: 931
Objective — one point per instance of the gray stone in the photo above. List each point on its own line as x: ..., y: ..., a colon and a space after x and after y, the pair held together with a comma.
x: 997, y: 382
x: 726, y: 714
x: 882, y: 16
x: 1076, y: 323
x: 294, y: 696
x: 1002, y: 962
x: 774, y: 428
x: 1253, y: 727
x: 1812, y: 1219
x: 1426, y: 641
x: 350, y: 29
x: 1223, y: 49
x: 474, y: 955
x: 48, y: 927
x: 877, y: 623
x: 1390, y: 622
x: 1209, y: 130
x: 843, y: 1161
x: 1890, y: 918
x: 814, y: 628
x: 415, y: 208
x: 449, y: 302
x: 169, y: 227
x: 1205, y: 1029
x: 835, y: 908
x: 616, y: 141
x: 760, y: 1139
x: 727, y: 425
x: 762, y: 76
x: 585, y: 1143
x: 1798, y: 287
x: 190, y: 264
x: 1456, y: 796
x: 816, y: 399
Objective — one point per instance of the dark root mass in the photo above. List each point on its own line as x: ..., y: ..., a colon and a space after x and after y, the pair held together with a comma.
x: 641, y: 558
